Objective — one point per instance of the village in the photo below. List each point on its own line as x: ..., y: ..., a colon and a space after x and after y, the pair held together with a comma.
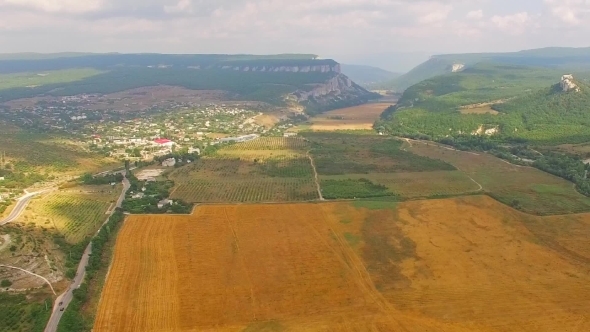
x: 148, y: 132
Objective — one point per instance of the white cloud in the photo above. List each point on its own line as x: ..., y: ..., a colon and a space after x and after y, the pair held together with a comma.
x: 514, y: 23
x: 183, y: 6
x: 572, y: 12
x: 276, y: 26
x: 56, y: 6
x: 475, y: 14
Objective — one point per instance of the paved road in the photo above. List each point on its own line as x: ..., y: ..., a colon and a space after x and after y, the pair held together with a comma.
x: 21, y: 204
x: 66, y: 297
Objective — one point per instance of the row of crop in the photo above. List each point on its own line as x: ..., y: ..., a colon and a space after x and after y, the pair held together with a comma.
x: 261, y: 190
x: 73, y: 216
x: 235, y: 168
x: 271, y: 143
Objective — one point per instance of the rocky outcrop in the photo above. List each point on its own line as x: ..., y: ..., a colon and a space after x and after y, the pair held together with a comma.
x: 339, y: 90
x: 457, y: 67
x: 567, y: 84
x: 337, y: 85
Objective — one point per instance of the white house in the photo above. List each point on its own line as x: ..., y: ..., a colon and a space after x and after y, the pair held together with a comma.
x: 164, y: 202
x: 170, y: 162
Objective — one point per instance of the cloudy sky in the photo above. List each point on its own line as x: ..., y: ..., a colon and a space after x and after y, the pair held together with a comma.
x: 362, y: 31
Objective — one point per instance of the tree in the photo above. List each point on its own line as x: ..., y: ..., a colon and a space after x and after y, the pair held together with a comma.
x: 5, y: 283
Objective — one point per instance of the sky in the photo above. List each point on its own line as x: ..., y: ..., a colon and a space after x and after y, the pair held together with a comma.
x: 392, y: 34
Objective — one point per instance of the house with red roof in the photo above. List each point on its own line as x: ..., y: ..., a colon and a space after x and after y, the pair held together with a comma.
x: 164, y: 143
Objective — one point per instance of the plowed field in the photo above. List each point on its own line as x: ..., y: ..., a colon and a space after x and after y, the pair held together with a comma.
x: 467, y: 264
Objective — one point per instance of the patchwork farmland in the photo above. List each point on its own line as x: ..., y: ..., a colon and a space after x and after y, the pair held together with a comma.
x: 270, y: 169
x: 525, y: 188
x: 468, y: 264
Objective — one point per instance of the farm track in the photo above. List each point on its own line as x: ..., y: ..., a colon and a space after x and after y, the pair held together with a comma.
x: 31, y: 273
x: 316, y: 177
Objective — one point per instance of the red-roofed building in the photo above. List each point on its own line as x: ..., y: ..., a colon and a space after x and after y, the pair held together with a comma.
x: 163, y: 142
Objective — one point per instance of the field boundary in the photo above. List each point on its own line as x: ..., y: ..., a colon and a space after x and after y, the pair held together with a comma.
x: 316, y: 177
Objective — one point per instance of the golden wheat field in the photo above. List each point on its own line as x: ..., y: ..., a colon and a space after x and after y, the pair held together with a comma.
x: 467, y: 264
x: 352, y: 118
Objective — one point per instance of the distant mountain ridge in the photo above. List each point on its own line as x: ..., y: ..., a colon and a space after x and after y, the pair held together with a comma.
x: 552, y: 57
x: 276, y: 79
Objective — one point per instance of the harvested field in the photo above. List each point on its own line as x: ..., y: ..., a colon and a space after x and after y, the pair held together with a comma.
x: 468, y: 264
x: 525, y: 188
x: 353, y: 118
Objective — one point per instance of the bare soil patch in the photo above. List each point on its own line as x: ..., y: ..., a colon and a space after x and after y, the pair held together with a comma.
x: 353, y: 118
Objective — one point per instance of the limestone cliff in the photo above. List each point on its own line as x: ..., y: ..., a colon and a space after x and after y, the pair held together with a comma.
x: 324, y: 68
x: 567, y: 84
x: 338, y: 91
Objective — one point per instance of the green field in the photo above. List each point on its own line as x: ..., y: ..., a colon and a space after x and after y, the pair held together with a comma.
x: 31, y: 153
x: 339, y: 154
x: 417, y: 184
x: 38, y: 79
x: 525, y: 188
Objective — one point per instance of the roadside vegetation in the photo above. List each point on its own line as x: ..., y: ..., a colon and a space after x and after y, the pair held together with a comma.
x: 81, y: 312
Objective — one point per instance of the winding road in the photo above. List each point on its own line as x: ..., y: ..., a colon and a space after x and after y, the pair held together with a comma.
x: 21, y: 204
x: 64, y: 299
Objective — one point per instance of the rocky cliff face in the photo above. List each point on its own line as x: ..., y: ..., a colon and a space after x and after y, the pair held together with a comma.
x: 567, y: 84
x: 457, y: 67
x: 270, y: 68
x: 337, y: 91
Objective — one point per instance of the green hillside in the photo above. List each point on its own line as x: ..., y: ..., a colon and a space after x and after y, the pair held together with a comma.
x: 484, y: 82
x: 520, y: 104
x: 568, y: 59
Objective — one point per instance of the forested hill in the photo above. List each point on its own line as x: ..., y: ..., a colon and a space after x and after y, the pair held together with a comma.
x: 514, y: 105
x: 564, y: 59
x: 481, y: 83
x: 274, y: 79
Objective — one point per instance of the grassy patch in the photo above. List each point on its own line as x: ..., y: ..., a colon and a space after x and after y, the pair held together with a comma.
x: 338, y: 153
x: 346, y: 189
x: 352, y: 239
